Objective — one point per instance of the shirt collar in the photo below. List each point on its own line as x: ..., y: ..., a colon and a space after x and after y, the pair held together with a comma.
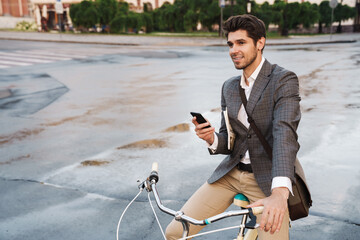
x: 253, y: 76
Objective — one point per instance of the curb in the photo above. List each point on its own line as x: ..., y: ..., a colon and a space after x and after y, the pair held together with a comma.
x: 68, y: 41
x: 177, y: 43
x: 298, y: 43
x: 310, y: 43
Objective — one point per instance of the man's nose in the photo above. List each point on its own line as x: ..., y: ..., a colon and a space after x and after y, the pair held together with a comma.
x: 234, y: 49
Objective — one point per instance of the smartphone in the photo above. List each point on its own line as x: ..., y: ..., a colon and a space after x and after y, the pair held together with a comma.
x: 199, y: 118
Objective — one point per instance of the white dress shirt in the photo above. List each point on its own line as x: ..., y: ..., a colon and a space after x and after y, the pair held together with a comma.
x: 242, y: 116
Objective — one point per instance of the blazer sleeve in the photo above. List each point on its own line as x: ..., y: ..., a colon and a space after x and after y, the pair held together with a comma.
x: 222, y: 134
x: 286, y: 117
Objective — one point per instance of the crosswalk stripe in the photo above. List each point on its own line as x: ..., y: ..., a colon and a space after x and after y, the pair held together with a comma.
x: 33, y: 55
x: 12, y: 63
x: 43, y: 53
x: 28, y: 60
x: 29, y: 57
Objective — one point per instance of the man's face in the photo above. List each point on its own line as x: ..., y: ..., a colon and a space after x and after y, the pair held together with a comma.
x: 242, y: 50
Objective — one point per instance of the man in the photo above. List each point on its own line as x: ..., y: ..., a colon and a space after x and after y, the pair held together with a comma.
x: 273, y: 102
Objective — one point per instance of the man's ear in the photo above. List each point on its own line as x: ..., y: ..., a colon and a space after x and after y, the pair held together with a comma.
x: 260, y: 44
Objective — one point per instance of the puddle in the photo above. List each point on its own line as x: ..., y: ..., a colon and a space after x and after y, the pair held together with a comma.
x: 154, y: 54
x: 20, y: 135
x: 182, y: 127
x: 353, y: 106
x: 149, y: 143
x: 94, y: 162
x: 29, y: 93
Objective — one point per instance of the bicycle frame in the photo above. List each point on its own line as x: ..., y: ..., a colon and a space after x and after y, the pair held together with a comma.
x: 150, y: 186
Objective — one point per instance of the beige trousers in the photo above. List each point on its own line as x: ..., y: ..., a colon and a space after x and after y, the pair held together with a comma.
x: 212, y: 199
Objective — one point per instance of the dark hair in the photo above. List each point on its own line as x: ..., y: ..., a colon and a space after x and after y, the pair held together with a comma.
x: 254, y: 27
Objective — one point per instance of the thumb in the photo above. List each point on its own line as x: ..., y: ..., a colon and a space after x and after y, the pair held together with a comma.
x: 258, y: 203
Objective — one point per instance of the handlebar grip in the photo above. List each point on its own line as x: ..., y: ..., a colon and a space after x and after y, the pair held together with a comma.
x: 155, y: 167
x: 257, y: 210
x: 154, y: 175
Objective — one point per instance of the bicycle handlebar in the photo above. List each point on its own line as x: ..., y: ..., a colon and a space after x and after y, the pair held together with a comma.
x: 154, y: 175
x: 155, y: 167
x: 154, y: 178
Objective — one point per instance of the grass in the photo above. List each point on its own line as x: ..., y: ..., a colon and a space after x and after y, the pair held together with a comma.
x: 189, y: 34
x: 269, y: 35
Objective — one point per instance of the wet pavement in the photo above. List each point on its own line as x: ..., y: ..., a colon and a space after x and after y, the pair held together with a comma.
x: 77, y: 134
x: 142, y: 40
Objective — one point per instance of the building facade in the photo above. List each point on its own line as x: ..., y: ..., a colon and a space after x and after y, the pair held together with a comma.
x: 47, y: 18
x: 15, y: 8
x: 137, y: 5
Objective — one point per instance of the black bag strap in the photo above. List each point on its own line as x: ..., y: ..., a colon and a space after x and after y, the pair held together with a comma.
x: 251, y: 121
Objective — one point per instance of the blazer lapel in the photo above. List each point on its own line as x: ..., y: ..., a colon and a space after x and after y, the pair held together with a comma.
x: 236, y: 102
x: 259, y: 85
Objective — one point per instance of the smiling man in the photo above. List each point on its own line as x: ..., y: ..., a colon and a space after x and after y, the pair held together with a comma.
x: 272, y: 94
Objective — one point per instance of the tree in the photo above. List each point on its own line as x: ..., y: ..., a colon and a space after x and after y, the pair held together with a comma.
x: 190, y: 20
x: 168, y: 17
x: 236, y: 8
x: 325, y: 15
x: 210, y: 14
x: 74, y: 9
x: 134, y: 21
x: 148, y: 22
x: 264, y: 12
x: 343, y: 13
x: 84, y: 15
x: 118, y: 24
x: 277, y: 16
x: 107, y: 10
x: 290, y: 15
x: 123, y: 7
x: 309, y: 14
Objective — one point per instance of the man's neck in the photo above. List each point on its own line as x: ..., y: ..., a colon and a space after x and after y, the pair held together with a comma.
x: 251, y: 68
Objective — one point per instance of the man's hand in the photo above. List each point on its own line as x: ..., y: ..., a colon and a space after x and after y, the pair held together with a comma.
x: 206, y: 134
x: 275, y: 207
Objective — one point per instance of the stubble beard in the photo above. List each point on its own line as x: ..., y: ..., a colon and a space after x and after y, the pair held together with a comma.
x: 247, y: 63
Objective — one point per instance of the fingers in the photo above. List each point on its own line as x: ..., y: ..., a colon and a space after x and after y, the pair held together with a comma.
x: 271, y: 220
x: 273, y: 214
x: 201, y: 129
x: 264, y: 219
x: 258, y: 203
x: 206, y: 134
x: 200, y: 126
x: 280, y: 220
x: 194, y: 121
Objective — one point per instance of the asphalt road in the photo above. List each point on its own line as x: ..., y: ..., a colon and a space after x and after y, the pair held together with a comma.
x: 73, y: 117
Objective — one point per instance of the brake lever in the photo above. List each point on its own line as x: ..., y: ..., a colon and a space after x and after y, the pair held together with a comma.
x: 252, y: 223
x: 145, y: 185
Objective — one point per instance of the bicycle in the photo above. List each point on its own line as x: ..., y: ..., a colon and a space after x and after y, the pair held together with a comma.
x: 239, y: 200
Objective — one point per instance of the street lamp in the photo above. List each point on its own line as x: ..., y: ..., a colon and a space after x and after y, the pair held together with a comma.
x: 248, y: 6
x: 59, y: 9
x: 332, y: 4
x: 222, y: 5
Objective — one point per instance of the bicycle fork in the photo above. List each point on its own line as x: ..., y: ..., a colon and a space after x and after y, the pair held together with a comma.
x: 251, y: 233
x: 241, y: 233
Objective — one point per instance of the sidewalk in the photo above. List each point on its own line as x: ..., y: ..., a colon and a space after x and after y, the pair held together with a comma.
x: 137, y: 40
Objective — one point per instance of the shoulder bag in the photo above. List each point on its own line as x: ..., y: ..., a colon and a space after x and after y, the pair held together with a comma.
x: 300, y: 202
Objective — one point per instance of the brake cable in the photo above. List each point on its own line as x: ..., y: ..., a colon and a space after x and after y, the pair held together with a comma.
x: 157, y: 219
x: 122, y: 215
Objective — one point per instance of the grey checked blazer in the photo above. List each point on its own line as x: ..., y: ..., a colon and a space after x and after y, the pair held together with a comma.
x: 274, y: 106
